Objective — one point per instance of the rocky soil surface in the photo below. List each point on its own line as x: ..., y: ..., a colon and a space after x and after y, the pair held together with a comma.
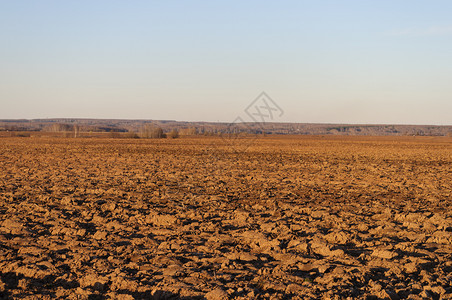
x: 205, y: 218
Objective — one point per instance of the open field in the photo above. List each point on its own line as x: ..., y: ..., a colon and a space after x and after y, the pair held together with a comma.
x: 286, y: 217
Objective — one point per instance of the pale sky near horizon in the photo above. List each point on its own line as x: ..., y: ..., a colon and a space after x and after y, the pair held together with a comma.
x: 374, y: 62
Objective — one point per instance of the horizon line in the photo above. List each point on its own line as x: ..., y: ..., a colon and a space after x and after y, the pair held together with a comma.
x: 223, y: 122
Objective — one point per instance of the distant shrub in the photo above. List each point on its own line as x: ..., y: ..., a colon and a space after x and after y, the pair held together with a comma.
x: 58, y: 127
x: 123, y: 135
x: 115, y: 135
x: 130, y: 135
x: 151, y: 132
x: 20, y: 134
x: 173, y: 134
x: 188, y: 131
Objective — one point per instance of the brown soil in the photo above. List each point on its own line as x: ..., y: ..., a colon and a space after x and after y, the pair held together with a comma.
x: 279, y: 217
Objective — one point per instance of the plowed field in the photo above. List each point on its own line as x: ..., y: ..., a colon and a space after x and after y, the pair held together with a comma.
x: 271, y: 218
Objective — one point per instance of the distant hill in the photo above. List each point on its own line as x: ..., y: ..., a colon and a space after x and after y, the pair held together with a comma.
x: 113, y: 125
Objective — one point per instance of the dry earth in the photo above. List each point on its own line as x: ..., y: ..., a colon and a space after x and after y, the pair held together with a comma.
x: 195, y: 218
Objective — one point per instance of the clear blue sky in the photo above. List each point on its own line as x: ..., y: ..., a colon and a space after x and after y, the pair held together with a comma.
x: 321, y: 61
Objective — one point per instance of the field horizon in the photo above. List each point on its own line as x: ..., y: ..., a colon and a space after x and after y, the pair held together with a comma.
x: 215, y: 128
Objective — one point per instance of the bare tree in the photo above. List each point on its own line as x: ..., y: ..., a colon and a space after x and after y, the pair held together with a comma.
x: 76, y: 130
x: 151, y: 132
